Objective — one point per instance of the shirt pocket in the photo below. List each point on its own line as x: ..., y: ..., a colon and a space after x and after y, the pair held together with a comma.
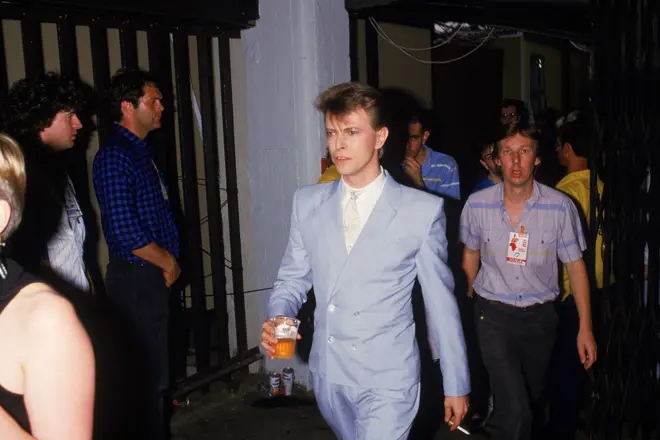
x: 495, y: 242
x: 544, y: 249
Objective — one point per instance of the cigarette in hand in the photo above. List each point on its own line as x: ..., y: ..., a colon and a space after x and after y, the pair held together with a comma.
x: 460, y: 428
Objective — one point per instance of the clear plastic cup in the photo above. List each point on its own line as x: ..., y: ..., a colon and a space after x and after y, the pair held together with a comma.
x: 286, y: 333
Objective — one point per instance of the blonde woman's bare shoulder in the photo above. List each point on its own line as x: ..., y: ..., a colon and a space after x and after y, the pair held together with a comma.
x: 42, y: 309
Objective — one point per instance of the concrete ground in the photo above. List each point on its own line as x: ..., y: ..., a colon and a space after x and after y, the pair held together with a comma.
x: 249, y: 414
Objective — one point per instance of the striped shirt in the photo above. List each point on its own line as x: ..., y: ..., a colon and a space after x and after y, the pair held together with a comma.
x: 553, y: 224
x: 440, y: 174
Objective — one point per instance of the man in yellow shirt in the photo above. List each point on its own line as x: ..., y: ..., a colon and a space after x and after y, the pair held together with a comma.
x: 572, y: 151
x: 566, y: 374
x: 329, y: 175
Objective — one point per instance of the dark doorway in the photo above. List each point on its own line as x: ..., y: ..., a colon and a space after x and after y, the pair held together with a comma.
x: 467, y: 96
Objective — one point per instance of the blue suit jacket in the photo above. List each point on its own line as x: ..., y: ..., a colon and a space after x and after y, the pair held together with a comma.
x: 364, y: 332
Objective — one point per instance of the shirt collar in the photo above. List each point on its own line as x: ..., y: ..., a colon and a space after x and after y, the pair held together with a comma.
x: 372, y: 188
x: 577, y: 175
x: 132, y: 137
x: 537, y: 192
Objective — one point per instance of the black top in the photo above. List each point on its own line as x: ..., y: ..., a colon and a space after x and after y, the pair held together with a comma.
x: 17, y: 278
x: 44, y: 203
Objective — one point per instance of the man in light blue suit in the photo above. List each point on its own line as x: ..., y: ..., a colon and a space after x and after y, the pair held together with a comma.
x: 361, y: 241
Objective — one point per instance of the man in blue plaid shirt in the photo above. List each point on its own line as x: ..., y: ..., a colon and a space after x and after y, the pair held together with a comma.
x: 139, y: 229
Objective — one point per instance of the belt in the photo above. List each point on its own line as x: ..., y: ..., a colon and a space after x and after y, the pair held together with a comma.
x: 500, y: 303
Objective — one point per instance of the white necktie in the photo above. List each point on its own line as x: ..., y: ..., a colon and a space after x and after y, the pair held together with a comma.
x: 351, y: 222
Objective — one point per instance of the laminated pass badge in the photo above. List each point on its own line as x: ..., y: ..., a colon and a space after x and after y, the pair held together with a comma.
x: 516, y: 252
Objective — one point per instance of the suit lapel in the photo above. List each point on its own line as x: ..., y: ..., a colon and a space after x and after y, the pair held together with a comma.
x: 372, y: 236
x: 331, y: 226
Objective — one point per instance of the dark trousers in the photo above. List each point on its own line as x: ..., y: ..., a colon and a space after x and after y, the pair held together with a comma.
x: 479, y: 384
x: 566, y: 377
x: 139, y: 289
x: 516, y: 344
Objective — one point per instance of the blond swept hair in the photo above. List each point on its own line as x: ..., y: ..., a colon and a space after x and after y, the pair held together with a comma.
x: 12, y: 181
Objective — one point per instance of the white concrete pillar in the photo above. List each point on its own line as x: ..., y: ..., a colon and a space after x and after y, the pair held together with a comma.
x: 297, y: 49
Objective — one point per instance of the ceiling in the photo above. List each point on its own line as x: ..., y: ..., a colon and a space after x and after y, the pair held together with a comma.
x: 556, y: 18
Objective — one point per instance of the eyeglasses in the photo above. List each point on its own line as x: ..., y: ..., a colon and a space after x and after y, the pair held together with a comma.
x: 487, y: 157
x: 415, y: 137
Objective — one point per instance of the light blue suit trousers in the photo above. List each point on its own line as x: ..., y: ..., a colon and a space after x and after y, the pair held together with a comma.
x: 367, y: 414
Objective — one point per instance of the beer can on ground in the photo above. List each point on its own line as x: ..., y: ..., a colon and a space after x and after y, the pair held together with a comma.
x: 274, y: 380
x: 287, y: 381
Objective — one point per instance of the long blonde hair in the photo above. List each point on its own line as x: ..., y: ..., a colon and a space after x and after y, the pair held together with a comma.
x: 12, y: 181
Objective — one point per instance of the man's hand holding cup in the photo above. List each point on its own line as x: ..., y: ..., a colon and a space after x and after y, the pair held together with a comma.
x: 279, y: 335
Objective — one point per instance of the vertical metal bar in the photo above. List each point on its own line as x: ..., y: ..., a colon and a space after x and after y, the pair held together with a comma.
x: 160, y: 65
x: 193, y: 253
x: 212, y: 167
x: 232, y: 193
x: 101, y: 68
x: 371, y: 41
x: 68, y: 48
x: 353, y: 49
x: 33, y: 48
x: 4, y: 79
x: 129, y: 50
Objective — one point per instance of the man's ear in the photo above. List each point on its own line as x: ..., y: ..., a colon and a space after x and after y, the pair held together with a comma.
x: 127, y: 108
x: 483, y: 164
x: 537, y: 161
x: 381, y: 137
x: 425, y: 136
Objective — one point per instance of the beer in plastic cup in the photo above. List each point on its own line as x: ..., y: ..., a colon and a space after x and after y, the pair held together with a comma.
x: 286, y: 331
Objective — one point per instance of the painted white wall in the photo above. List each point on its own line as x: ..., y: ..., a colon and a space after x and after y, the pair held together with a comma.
x: 297, y: 49
x: 397, y: 70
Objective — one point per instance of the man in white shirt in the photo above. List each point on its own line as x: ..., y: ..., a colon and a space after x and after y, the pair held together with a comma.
x: 41, y: 114
x: 361, y: 241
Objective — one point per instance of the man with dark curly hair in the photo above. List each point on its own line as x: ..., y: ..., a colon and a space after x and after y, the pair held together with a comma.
x: 41, y: 114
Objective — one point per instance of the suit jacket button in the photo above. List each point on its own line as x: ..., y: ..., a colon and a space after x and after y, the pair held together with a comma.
x: 331, y: 308
x: 356, y: 313
x: 354, y: 347
x: 331, y: 339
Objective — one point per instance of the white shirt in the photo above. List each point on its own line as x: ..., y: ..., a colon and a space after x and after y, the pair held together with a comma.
x: 65, y: 248
x: 368, y: 196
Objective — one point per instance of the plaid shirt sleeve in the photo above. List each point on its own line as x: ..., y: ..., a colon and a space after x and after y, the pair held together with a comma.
x: 113, y: 181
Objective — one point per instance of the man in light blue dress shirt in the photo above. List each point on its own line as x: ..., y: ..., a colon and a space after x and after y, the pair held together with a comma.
x: 361, y: 241
x: 513, y: 234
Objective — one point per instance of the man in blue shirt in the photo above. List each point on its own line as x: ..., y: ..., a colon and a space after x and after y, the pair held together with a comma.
x: 486, y: 160
x: 139, y: 229
x: 431, y: 170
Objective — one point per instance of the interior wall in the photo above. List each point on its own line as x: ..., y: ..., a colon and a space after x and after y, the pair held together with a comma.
x: 398, y: 70
x: 553, y: 71
x: 298, y: 49
x: 511, y: 74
